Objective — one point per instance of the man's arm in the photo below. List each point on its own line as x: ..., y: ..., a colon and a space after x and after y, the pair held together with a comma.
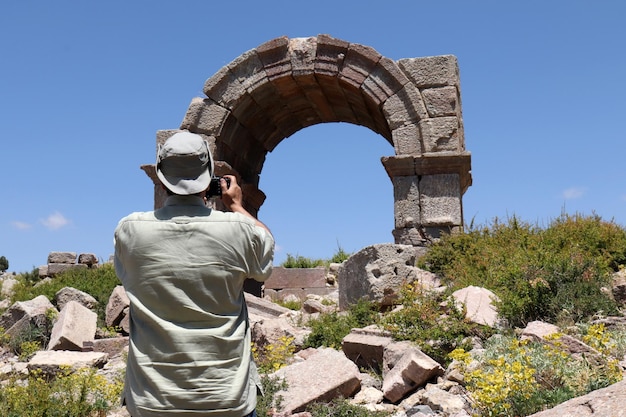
x: 232, y: 197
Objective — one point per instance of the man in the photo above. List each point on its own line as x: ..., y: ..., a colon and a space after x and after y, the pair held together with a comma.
x: 183, y: 267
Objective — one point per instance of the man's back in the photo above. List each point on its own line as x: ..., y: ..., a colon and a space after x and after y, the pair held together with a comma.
x: 183, y: 267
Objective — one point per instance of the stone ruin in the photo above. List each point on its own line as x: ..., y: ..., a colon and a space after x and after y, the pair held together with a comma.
x: 284, y: 85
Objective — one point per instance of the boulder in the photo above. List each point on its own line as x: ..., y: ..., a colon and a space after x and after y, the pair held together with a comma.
x: 326, y: 374
x: 479, y: 305
x: 67, y: 294
x: 378, y: 272
x: 118, y: 301
x: 75, y: 325
x: 23, y: 315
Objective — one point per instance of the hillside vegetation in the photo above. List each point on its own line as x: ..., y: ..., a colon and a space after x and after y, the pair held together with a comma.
x: 559, y: 274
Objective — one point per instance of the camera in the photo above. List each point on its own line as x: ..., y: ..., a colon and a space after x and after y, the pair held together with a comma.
x: 215, y: 189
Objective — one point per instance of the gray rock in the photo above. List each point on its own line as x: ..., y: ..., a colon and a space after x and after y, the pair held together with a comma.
x: 378, y: 272
x: 24, y: 314
x: 479, y: 305
x: 75, y: 325
x: 67, y: 294
x: 605, y: 402
x: 323, y: 376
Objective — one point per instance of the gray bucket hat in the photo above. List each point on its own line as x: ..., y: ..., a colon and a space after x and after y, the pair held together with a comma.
x: 185, y: 164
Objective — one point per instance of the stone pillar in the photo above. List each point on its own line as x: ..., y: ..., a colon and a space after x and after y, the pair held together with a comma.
x: 428, y: 191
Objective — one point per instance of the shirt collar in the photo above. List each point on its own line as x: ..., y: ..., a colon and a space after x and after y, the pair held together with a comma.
x: 184, y: 200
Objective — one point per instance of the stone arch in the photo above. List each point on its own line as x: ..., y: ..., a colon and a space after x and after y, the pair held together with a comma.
x: 284, y: 85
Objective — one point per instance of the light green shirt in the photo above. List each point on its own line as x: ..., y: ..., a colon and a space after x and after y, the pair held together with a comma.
x: 183, y: 267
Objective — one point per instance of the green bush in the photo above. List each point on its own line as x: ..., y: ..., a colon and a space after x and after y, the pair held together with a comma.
x: 339, y: 256
x: 70, y: 394
x: 550, y: 274
x: 342, y: 408
x: 4, y: 264
x: 97, y: 282
x: 329, y: 329
x: 433, y: 322
x: 519, y: 378
x: 301, y: 262
x: 270, y: 400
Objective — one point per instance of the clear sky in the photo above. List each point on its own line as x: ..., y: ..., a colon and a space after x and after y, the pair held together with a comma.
x: 85, y: 86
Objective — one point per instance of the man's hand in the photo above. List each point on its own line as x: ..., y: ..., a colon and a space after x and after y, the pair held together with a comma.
x: 232, y: 197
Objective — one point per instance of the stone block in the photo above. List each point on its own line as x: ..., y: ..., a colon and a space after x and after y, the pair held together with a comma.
x: 88, y: 259
x: 325, y: 375
x: 22, y: 315
x: 67, y: 294
x: 440, y: 200
x: 434, y: 71
x: 56, y: 269
x: 479, y: 305
x: 441, y: 134
x: 205, y: 116
x: 118, y: 301
x: 377, y: 273
x: 62, y: 257
x: 75, y: 325
x: 296, y: 278
x: 264, y: 308
x: 224, y: 88
x: 302, y: 53
x: 360, y: 60
x: 407, y: 140
x: 384, y: 81
x: 406, y: 204
x: 112, y: 346
x: 330, y: 55
x: 405, y: 107
x: 413, y: 370
x: 442, y: 101
x: 51, y: 362
x: 365, y: 350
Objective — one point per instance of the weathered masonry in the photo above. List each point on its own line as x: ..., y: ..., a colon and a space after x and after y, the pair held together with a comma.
x: 269, y: 93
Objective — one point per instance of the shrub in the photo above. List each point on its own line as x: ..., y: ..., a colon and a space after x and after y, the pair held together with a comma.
x: 301, y: 262
x: 431, y: 321
x: 4, y: 264
x: 548, y: 274
x: 339, y: 256
x: 270, y: 400
x: 519, y: 378
x: 329, y: 329
x: 27, y: 342
x: 342, y: 408
x: 70, y: 394
x: 97, y: 282
x: 272, y: 357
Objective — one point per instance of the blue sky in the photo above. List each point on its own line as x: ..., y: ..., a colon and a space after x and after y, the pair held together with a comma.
x: 84, y: 86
